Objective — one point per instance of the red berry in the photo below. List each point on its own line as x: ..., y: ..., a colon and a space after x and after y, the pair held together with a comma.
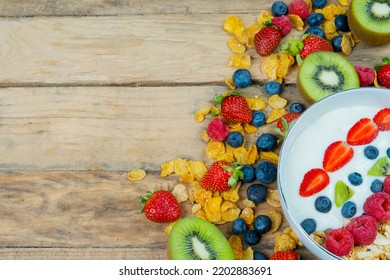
x: 386, y: 184
x: 337, y: 155
x: 362, y: 132
x: 382, y: 119
x: 384, y: 75
x: 221, y: 176
x: 314, y: 181
x: 267, y: 40
x: 161, y: 206
x: 363, y: 229
x: 234, y: 108
x: 283, y: 23
x: 300, y: 8
x: 217, y: 129
x: 366, y: 75
x: 378, y: 206
x: 313, y: 43
x: 287, y: 255
x: 339, y: 241
x: 289, y: 117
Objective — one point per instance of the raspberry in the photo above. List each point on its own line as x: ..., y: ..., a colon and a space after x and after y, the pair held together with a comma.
x: 283, y: 23
x: 363, y: 229
x: 386, y: 184
x: 300, y: 8
x: 366, y: 75
x: 378, y: 206
x: 339, y: 241
x: 217, y: 129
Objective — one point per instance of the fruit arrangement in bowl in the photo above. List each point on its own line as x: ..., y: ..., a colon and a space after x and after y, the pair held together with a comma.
x: 337, y: 198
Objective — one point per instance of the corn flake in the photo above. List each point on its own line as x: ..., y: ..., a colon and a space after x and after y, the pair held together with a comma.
x: 284, y: 242
x: 269, y: 66
x: 195, y: 208
x: 180, y: 192
x: 264, y: 16
x: 247, y: 215
x: 169, y: 227
x: 205, y: 137
x: 230, y: 215
x: 248, y: 254
x: 255, y: 103
x: 236, y: 46
x: 344, y: 2
x: 276, y: 114
x: 236, y: 244
x: 248, y: 128
x: 347, y: 44
x: 167, y: 168
x: 229, y: 82
x: 232, y: 194
x: 215, y: 149
x: 197, y: 168
x: 273, y: 198
x: 276, y: 219
x: 270, y: 156
x: 249, y: 34
x: 296, y: 21
x: 277, y: 102
x: 187, y: 178
x: 245, y: 62
x: 136, y: 175
x: 234, y: 25
x: 330, y: 29
x: 251, y: 155
x: 248, y: 203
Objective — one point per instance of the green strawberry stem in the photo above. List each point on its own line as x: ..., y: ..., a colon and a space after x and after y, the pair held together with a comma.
x: 385, y: 60
x: 236, y: 172
x: 144, y: 198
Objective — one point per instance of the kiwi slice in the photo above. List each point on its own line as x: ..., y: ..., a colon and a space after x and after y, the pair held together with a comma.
x: 324, y: 73
x: 193, y: 238
x: 380, y: 168
x: 369, y: 20
x: 342, y: 193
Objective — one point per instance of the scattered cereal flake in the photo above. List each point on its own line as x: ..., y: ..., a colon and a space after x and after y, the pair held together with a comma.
x: 251, y: 155
x: 247, y: 215
x: 202, y: 195
x: 276, y: 101
x: 236, y: 244
x: 169, y: 227
x: 227, y: 205
x: 199, y: 117
x: 344, y: 2
x: 232, y: 194
x: 235, y: 60
x: 276, y: 218
x: 248, y: 203
x: 201, y: 114
x: 236, y: 46
x: 284, y: 242
x: 332, y: 10
x: 205, y: 136
x: 236, y: 127
x: 201, y: 214
x: 245, y: 62
x: 248, y: 254
x: 195, y: 208
x: 234, y: 25
x: 269, y: 66
x: 255, y: 103
x: 136, y: 175
x: 180, y: 167
x: 265, y: 15
x: 249, y: 34
x: 180, y: 192
x: 292, y: 234
x: 319, y: 237
x: 197, y: 168
x: 330, y: 29
x: 276, y: 114
x: 187, y: 178
x: 296, y: 21
x: 229, y: 157
x: 270, y: 156
x: 239, y: 154
x: 229, y: 82
x: 347, y: 44
x: 273, y: 198
x: 248, y: 128
x: 230, y: 215
x: 213, y: 217
x: 215, y: 149
x: 167, y: 168
x: 214, y: 204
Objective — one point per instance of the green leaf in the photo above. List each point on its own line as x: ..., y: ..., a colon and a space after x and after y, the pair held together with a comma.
x: 386, y: 60
x: 299, y: 59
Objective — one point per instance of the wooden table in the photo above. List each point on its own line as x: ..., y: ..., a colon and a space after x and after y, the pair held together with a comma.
x: 90, y: 90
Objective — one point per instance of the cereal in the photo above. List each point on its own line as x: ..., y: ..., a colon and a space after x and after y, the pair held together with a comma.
x: 232, y: 194
x: 136, y: 175
x: 247, y: 215
x: 248, y: 254
x: 251, y: 155
x: 248, y: 203
x: 347, y: 44
x: 180, y: 167
x: 264, y: 16
x: 229, y: 82
x: 273, y: 198
x: 277, y: 102
x: 248, y: 35
x: 180, y: 192
x: 234, y: 26
x: 236, y: 46
x: 296, y: 21
x: 197, y: 168
x: 276, y: 114
x: 255, y: 103
x: 248, y: 128
x: 201, y: 114
x: 168, y: 228
x: 230, y: 215
x: 236, y: 244
x: 276, y: 218
x: 270, y: 156
x: 284, y: 242
x: 215, y: 149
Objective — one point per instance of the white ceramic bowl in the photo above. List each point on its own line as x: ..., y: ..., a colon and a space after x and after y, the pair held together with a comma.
x: 327, y: 120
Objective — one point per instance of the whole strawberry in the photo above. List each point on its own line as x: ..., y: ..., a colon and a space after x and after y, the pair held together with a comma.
x: 161, y: 206
x: 221, y: 176
x: 383, y: 72
x: 234, y: 108
x: 288, y: 255
x: 267, y: 39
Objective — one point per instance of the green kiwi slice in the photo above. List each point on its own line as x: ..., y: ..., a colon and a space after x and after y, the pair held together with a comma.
x: 324, y: 73
x: 380, y: 168
x: 193, y: 238
x: 369, y: 20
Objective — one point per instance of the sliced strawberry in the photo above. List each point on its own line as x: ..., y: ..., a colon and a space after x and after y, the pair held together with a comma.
x: 314, y: 181
x: 363, y: 132
x: 289, y: 117
x: 382, y: 119
x: 337, y: 155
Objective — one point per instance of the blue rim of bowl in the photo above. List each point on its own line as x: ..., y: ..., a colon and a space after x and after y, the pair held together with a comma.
x: 291, y: 220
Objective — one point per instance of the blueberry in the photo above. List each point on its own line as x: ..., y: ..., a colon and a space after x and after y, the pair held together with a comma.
x: 279, y: 8
x: 309, y: 225
x: 256, y: 193
x: 376, y: 186
x: 388, y: 152
x: 251, y: 237
x: 242, y: 78
x: 248, y: 172
x: 259, y: 256
x: 348, y: 210
x: 341, y: 22
x: 319, y: 3
x: 323, y: 204
x: 315, y: 19
x: 238, y: 226
x: 272, y: 87
x: 371, y: 152
x: 235, y: 139
x: 266, y: 142
x: 315, y: 30
x: 297, y: 107
x: 262, y: 224
x: 258, y: 118
x: 355, y: 179
x: 265, y: 172
x: 336, y: 43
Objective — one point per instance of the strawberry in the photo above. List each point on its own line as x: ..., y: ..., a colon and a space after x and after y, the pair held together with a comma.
x: 234, y: 108
x: 289, y: 118
x: 221, y: 176
x: 161, y: 206
x: 382, y: 119
x: 383, y: 72
x: 287, y: 255
x: 307, y: 45
x: 362, y: 132
x: 314, y: 181
x: 337, y: 155
x: 267, y: 39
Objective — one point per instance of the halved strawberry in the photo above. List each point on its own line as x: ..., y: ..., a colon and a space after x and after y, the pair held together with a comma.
x: 362, y: 132
x: 382, y: 119
x: 337, y: 155
x: 314, y: 181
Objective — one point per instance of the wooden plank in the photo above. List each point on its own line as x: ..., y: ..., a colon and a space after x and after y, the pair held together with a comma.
x: 143, y: 50
x: 80, y: 214
x: 109, y: 128
x: 22, y: 8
